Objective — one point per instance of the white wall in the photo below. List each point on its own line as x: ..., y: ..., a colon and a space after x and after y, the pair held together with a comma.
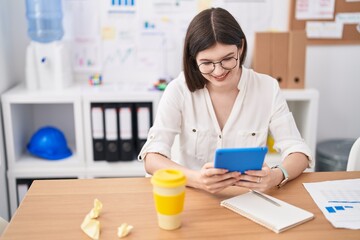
x: 18, y: 38
x: 335, y: 72
x: 5, y: 83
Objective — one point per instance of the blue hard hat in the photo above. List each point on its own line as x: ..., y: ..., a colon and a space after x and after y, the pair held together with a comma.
x: 49, y: 143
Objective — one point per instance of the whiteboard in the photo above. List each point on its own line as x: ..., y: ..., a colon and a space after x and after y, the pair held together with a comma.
x: 141, y: 41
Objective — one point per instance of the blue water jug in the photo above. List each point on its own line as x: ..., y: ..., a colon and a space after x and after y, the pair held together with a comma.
x: 44, y: 20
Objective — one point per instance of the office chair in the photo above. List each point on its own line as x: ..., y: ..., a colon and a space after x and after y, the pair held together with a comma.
x: 354, y: 157
x: 3, y: 224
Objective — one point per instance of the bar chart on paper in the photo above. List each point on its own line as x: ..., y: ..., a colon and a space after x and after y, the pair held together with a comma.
x: 122, y: 6
x: 338, y: 200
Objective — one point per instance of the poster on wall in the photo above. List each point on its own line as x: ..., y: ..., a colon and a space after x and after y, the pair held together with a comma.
x: 141, y: 41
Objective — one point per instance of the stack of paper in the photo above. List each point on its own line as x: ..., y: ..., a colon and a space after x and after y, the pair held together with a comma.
x: 339, y: 201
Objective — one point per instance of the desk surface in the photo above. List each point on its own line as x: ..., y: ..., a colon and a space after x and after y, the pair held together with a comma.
x: 54, y: 209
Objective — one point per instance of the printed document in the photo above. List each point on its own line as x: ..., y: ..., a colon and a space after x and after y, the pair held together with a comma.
x: 339, y: 201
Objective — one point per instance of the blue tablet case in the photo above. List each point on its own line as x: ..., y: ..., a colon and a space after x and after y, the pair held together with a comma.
x: 240, y: 159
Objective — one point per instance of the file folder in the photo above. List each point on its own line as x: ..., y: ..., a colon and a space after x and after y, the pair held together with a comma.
x: 111, y: 132
x: 143, y: 123
x: 279, y: 57
x: 98, y: 131
x: 126, y: 143
x: 297, y: 57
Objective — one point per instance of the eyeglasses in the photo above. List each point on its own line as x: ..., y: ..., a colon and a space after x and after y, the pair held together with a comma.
x: 227, y: 64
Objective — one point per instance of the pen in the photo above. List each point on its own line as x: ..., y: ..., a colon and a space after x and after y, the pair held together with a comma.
x: 265, y: 197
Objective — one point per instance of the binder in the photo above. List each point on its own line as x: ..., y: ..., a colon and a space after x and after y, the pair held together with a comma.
x: 143, y: 123
x: 271, y: 55
x: 279, y: 57
x: 111, y: 132
x: 126, y: 142
x: 98, y: 131
x: 297, y: 57
x: 262, y: 53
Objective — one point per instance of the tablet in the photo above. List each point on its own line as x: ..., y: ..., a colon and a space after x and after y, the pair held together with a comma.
x: 240, y: 159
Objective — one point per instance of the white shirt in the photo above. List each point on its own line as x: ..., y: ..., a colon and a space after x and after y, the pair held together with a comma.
x: 259, y: 109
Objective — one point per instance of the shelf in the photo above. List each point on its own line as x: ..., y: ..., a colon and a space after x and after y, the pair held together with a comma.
x: 132, y: 168
x: 27, y: 161
x: 300, y: 94
x: 34, y: 173
x: 19, y: 94
x: 26, y: 111
x: 47, y: 173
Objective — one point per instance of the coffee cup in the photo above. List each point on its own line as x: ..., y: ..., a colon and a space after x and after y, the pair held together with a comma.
x: 169, y: 197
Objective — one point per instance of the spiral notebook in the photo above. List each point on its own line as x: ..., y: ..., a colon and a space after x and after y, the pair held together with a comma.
x: 267, y: 211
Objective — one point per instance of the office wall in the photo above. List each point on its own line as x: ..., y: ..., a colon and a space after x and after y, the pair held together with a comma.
x: 5, y: 83
x: 332, y: 70
x: 143, y: 42
x: 335, y: 72
x: 17, y: 40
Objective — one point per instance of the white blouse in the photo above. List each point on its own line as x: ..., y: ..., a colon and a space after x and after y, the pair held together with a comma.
x: 259, y: 108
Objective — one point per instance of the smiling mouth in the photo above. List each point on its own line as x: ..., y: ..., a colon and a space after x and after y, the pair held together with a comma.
x: 220, y: 77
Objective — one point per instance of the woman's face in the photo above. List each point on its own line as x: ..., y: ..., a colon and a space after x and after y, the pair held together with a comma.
x: 225, y: 58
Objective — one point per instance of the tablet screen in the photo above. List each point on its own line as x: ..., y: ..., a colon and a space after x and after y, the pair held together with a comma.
x: 240, y: 159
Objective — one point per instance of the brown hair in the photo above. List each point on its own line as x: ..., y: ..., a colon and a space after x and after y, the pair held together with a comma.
x: 211, y: 26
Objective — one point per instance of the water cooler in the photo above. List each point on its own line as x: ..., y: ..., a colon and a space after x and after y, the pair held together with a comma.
x: 48, y: 64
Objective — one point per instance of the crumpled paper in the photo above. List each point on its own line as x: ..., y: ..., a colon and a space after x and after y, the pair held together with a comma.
x: 124, y: 230
x: 90, y: 225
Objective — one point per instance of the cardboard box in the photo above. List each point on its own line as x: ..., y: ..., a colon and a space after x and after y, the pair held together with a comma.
x: 282, y: 56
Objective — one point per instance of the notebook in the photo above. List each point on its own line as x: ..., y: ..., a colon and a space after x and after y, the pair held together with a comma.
x: 267, y: 211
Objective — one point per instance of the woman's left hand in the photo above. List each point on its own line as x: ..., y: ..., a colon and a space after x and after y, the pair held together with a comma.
x: 261, y: 180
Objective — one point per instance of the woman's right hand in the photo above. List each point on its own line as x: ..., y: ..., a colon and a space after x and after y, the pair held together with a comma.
x: 215, y: 179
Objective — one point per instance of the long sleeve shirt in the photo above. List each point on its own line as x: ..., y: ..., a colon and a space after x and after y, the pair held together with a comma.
x: 259, y: 109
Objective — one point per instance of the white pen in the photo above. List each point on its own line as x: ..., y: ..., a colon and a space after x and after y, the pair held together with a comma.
x: 265, y: 197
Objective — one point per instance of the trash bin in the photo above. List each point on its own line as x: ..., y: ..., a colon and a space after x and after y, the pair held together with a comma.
x: 332, y: 155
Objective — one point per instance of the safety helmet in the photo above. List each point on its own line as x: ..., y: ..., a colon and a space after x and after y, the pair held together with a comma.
x: 49, y: 143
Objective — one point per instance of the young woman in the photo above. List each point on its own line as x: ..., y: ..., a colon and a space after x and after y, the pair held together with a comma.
x: 218, y: 103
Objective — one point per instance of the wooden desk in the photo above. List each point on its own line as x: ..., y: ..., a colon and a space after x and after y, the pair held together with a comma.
x: 54, y: 209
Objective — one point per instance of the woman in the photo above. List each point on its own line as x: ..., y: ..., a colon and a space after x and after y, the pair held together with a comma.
x: 218, y: 103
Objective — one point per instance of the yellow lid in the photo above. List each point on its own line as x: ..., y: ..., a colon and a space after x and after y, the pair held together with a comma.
x: 168, y: 178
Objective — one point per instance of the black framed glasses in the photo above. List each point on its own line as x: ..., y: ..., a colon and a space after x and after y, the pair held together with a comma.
x: 228, y: 63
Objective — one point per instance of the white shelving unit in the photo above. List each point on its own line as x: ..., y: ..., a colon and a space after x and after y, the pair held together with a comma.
x: 69, y: 110
x: 17, y: 191
x: 25, y: 111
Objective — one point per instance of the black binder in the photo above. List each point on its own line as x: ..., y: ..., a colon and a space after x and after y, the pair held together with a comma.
x: 111, y: 132
x: 126, y: 143
x: 144, y: 120
x: 98, y: 131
